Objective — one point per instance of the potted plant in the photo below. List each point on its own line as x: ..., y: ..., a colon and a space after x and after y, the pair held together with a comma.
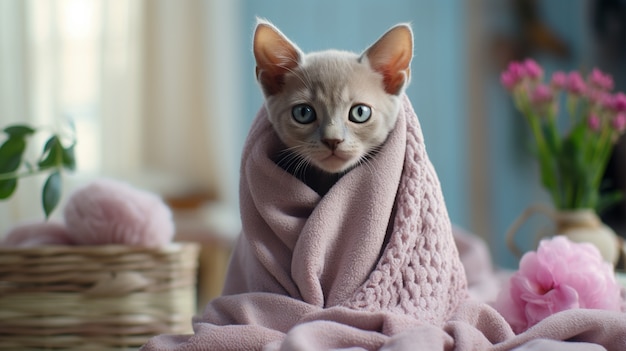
x: 572, y: 162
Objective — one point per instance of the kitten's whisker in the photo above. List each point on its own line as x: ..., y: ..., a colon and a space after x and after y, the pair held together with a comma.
x: 366, y: 161
x: 300, y: 171
x: 289, y: 160
x: 294, y: 161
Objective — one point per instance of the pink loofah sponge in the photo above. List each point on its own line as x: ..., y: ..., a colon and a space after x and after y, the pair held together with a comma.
x: 111, y: 212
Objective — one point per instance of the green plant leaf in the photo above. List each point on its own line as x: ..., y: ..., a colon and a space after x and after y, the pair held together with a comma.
x: 51, y: 193
x: 551, y: 136
x: 577, y: 135
x: 19, y: 130
x: 69, y: 158
x: 7, y: 187
x: 11, y: 153
x: 50, y: 144
x: 574, y: 175
x: 609, y: 200
x: 52, y: 155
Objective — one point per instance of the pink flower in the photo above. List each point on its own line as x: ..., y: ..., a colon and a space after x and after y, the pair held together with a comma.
x: 594, y: 122
x: 509, y: 80
x: 619, y: 102
x: 560, y: 275
x: 542, y: 94
x: 607, y: 101
x: 513, y: 75
x: 600, y: 80
x: 619, y: 122
x: 532, y: 69
x: 575, y: 83
x: 601, y: 98
x: 559, y: 80
x: 516, y: 72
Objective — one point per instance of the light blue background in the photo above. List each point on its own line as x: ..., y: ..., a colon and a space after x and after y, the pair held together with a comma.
x: 437, y: 86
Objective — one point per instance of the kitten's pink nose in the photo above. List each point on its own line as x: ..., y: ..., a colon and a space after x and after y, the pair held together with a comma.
x: 332, y: 143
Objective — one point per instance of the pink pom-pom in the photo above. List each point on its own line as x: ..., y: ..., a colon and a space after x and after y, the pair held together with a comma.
x: 111, y: 212
x: 561, y: 275
x: 37, y: 234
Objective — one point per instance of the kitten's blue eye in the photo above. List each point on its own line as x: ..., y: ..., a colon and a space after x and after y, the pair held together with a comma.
x: 303, y: 114
x: 360, y: 113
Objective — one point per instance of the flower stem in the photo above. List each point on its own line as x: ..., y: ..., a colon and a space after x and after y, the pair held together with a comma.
x: 548, y: 176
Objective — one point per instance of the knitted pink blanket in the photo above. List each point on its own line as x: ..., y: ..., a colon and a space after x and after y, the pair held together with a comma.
x: 370, y: 265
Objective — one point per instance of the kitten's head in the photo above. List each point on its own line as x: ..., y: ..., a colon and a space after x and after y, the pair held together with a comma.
x: 332, y: 108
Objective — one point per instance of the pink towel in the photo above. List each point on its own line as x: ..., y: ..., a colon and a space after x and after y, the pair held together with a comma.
x: 371, y: 265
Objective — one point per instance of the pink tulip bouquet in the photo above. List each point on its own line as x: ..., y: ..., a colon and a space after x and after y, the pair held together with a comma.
x: 572, y: 163
x: 560, y: 275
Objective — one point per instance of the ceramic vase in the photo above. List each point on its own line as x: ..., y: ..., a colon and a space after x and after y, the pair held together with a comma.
x: 581, y: 225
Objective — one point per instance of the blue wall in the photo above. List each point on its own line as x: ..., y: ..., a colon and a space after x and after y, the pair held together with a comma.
x: 513, y: 169
x: 438, y: 68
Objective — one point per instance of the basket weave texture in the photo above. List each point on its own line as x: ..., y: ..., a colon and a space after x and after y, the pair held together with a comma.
x: 109, y: 297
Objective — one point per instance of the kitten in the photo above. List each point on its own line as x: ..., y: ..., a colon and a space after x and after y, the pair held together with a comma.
x: 332, y: 109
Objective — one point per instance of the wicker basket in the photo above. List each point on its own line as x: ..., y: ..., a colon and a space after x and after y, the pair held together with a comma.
x: 94, y: 298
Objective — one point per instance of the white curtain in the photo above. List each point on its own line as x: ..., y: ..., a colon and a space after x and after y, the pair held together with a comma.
x: 14, y: 106
x: 140, y: 81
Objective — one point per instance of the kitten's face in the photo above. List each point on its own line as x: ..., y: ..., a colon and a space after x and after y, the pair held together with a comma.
x: 332, y: 108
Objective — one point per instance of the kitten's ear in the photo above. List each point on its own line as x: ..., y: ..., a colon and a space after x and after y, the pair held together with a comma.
x: 275, y: 55
x: 391, y: 56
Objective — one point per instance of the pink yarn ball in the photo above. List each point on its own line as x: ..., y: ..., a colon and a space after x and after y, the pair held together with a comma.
x: 111, y: 212
x: 561, y: 275
x: 37, y: 234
